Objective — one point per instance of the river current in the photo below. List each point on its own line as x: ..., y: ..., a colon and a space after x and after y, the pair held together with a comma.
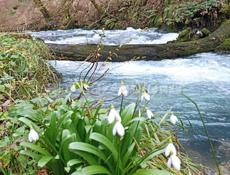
x: 203, y: 77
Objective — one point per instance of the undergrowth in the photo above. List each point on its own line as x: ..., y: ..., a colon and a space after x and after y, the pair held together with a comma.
x: 23, y: 71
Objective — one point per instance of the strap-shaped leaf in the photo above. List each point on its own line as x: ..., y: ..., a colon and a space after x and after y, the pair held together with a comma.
x: 152, y: 172
x: 90, y: 170
x: 44, y: 160
x: 106, y: 142
x: 87, y: 148
x: 35, y: 148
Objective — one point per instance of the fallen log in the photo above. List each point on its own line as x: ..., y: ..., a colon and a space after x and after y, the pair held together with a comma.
x: 145, y: 52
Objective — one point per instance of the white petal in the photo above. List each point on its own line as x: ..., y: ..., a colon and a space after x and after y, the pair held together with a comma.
x: 114, y: 129
x: 33, y: 136
x: 123, y: 91
x: 176, y: 163
x: 120, y: 129
x: 149, y: 113
x: 145, y: 96
x: 173, y: 119
x: 170, y: 150
x: 86, y: 87
x: 73, y: 88
x: 112, y: 114
x: 169, y: 163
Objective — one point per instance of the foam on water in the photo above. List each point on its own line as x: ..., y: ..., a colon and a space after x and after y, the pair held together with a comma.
x: 107, y: 37
x: 198, y: 68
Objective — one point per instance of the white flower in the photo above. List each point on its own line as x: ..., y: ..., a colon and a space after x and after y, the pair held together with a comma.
x: 173, y: 119
x: 113, y: 116
x: 85, y: 87
x: 123, y: 91
x: 174, y: 162
x: 118, y: 129
x: 149, y: 113
x: 145, y: 96
x: 33, y: 135
x: 170, y: 150
x: 73, y: 88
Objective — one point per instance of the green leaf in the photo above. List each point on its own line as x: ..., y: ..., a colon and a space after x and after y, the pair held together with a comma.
x: 87, y: 157
x: 152, y: 172
x: 127, y: 113
x: 94, y: 169
x: 73, y: 162
x: 35, y: 148
x: 128, y: 153
x: 29, y: 123
x: 44, y: 160
x: 31, y: 154
x: 87, y: 148
x: 106, y: 142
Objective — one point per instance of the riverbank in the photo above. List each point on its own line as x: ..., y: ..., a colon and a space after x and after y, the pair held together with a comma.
x: 111, y: 14
x: 24, y: 72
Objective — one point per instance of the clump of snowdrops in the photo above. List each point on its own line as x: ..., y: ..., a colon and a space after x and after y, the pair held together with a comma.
x: 80, y: 136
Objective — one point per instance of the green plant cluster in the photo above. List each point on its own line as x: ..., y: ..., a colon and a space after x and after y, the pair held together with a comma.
x: 23, y: 71
x: 76, y: 138
x: 190, y: 11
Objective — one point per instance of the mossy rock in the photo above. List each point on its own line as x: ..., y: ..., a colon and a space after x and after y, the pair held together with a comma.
x: 205, y: 32
x: 225, y: 46
x: 226, y: 10
x: 184, y: 35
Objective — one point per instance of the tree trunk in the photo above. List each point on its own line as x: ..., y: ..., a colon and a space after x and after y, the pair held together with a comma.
x: 145, y: 52
x: 42, y: 9
x: 97, y: 7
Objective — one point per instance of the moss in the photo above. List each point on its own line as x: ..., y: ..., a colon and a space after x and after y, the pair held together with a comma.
x: 23, y: 71
x: 225, y: 46
x: 184, y: 35
x: 205, y: 32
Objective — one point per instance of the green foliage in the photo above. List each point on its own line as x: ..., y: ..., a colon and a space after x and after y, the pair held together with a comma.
x: 189, y: 11
x: 76, y: 138
x: 23, y: 72
x: 225, y: 46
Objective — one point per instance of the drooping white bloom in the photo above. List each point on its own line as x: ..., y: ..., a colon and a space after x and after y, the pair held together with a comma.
x: 113, y: 116
x: 119, y: 129
x: 174, y: 162
x: 85, y: 87
x: 33, y: 135
x: 123, y: 91
x: 170, y: 150
x: 73, y: 88
x: 149, y: 113
x: 173, y: 119
x: 145, y: 96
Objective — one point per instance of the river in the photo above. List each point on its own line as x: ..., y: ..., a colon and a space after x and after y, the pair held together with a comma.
x: 203, y: 77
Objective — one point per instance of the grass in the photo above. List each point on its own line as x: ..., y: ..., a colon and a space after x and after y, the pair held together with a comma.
x: 24, y: 73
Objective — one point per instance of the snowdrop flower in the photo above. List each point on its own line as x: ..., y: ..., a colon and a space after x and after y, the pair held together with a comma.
x: 113, y: 116
x: 85, y: 87
x: 170, y: 150
x: 119, y: 129
x: 33, y: 135
x: 174, y: 162
x: 73, y: 88
x: 149, y: 113
x: 122, y: 91
x: 145, y: 96
x: 173, y: 119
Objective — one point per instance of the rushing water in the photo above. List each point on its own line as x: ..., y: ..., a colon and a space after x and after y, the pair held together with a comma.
x: 107, y: 37
x: 203, y: 77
